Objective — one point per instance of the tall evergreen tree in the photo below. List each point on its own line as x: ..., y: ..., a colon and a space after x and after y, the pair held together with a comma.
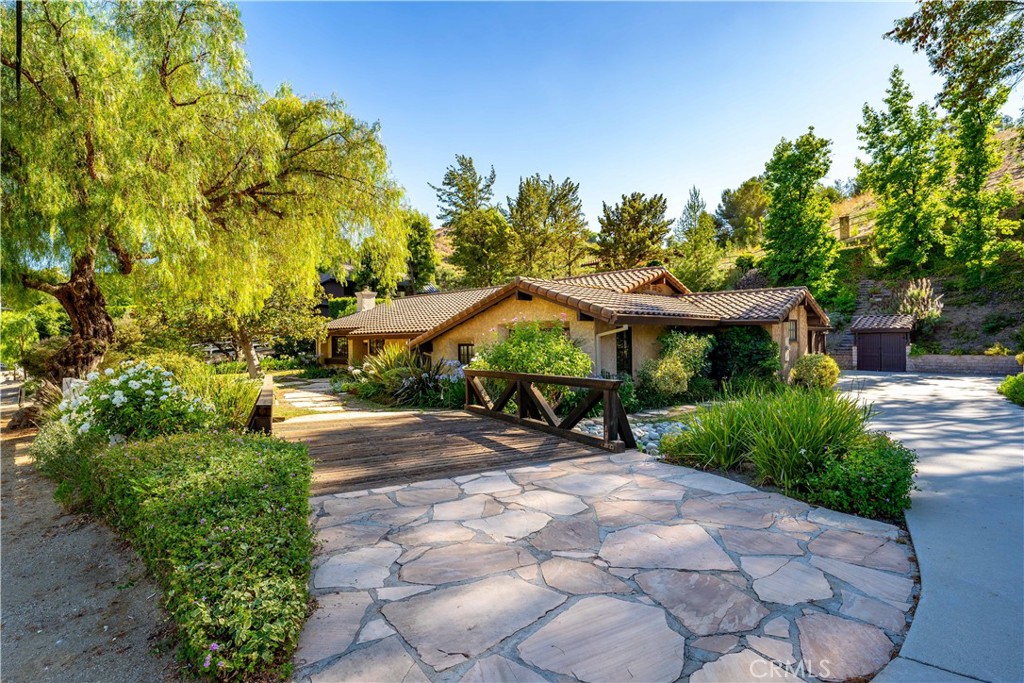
x: 799, y: 249
x: 533, y: 236
x: 463, y: 190
x: 573, y: 239
x: 907, y: 171
x: 422, y: 254
x: 979, y: 230
x: 740, y: 215
x: 633, y: 231
x: 696, y: 254
x: 692, y: 211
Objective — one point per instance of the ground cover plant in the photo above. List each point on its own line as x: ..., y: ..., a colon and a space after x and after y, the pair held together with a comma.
x: 811, y: 443
x: 219, y: 516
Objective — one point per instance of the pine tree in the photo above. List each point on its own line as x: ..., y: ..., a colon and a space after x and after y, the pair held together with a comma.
x: 695, y: 251
x: 633, y: 231
x: 740, y: 215
x: 422, y: 254
x: 908, y: 173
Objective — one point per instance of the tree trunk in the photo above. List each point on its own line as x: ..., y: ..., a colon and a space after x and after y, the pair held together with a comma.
x: 252, y: 361
x: 92, y: 328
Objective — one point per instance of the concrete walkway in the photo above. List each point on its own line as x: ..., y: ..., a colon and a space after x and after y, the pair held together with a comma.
x: 967, y: 523
x: 607, y: 568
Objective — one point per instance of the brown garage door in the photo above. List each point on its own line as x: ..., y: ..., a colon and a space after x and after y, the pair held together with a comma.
x: 886, y: 351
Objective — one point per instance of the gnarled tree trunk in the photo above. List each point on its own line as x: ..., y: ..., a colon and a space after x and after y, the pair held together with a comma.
x: 92, y: 328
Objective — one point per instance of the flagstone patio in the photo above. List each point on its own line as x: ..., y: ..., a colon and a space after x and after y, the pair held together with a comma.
x: 609, y: 568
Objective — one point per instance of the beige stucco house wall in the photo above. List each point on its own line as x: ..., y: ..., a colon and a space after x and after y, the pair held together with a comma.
x: 790, y: 350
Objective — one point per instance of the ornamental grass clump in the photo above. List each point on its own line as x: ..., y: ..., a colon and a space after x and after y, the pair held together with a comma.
x: 716, y: 438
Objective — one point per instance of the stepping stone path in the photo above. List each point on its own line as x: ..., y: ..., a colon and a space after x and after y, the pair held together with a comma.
x: 608, y: 568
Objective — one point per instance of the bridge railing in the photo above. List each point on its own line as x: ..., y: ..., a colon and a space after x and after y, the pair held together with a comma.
x: 533, y: 410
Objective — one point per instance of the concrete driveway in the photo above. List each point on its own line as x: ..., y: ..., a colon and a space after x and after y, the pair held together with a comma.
x: 967, y: 523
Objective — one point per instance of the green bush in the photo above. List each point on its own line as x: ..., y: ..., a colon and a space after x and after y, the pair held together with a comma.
x: 136, y: 402
x: 535, y: 348
x: 36, y: 360
x: 231, y: 397
x: 873, y: 478
x: 398, y: 376
x: 229, y: 367
x: 66, y: 457
x: 842, y: 300
x: 221, y: 520
x: 998, y: 349
x: 666, y: 381
x: 744, y: 352
x: 1019, y: 358
x: 815, y: 370
x: 1013, y: 388
x: 996, y: 322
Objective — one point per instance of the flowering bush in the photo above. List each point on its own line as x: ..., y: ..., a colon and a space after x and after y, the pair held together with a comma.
x: 135, y: 401
x: 535, y: 348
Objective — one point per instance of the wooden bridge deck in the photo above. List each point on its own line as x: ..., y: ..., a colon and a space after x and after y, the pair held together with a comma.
x: 382, y: 449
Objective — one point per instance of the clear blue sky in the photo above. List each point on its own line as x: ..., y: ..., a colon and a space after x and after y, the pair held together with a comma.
x: 620, y: 97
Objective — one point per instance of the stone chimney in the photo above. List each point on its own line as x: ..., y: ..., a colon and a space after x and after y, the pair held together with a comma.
x: 365, y: 300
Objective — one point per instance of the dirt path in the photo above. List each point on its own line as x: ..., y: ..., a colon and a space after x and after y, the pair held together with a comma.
x: 77, y: 604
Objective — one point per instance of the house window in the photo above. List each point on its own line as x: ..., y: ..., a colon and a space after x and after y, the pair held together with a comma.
x: 465, y: 354
x: 792, y: 330
x: 375, y: 346
x: 624, y: 352
x: 339, y: 349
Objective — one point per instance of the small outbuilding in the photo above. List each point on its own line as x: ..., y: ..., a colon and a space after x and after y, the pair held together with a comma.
x: 881, y: 341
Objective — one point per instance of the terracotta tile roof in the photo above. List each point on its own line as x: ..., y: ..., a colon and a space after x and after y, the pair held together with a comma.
x: 410, y: 314
x: 750, y: 304
x: 608, y: 305
x: 622, y: 280
x: 882, y: 323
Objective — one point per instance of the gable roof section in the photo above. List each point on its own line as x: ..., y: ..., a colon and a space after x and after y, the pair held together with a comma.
x: 626, y: 280
x: 409, y: 315
x: 882, y: 323
x: 756, y: 305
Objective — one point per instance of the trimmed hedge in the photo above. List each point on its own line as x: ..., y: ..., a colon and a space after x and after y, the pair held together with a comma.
x: 221, y: 521
x: 815, y: 370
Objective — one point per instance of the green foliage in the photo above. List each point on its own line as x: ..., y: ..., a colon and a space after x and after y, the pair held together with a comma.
x: 221, y: 521
x: 998, y: 349
x: 422, y: 255
x: 842, y: 300
x: 66, y: 456
x: 996, y: 322
x: 1019, y: 358
x: 398, y: 376
x: 815, y: 370
x: 549, y: 230
x: 1013, y: 386
x: 917, y: 298
x: 632, y: 231
x: 907, y: 174
x: 533, y: 347
x: 340, y: 306
x: 695, y: 253
x: 873, y: 479
x: 977, y: 47
x: 740, y: 216
x: 18, y: 332
x: 37, y: 358
x: 799, y: 248
x: 174, y: 151
x: 135, y: 402
x: 980, y: 231
x: 744, y: 352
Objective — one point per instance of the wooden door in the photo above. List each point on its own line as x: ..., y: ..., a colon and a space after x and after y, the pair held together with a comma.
x: 884, y: 352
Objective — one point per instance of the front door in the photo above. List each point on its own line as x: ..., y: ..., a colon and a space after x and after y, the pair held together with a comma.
x: 624, y: 352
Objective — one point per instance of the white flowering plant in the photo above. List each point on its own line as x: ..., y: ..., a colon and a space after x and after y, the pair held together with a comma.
x: 136, y: 401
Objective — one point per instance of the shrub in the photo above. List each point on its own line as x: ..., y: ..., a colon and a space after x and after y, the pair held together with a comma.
x: 666, y: 380
x: 221, y: 521
x: 873, y: 479
x: 1013, y: 388
x: 996, y: 322
x: 744, y: 352
x: 795, y: 431
x: 138, y: 401
x: 229, y: 367
x: 998, y: 349
x: 815, y: 370
x: 232, y: 398
x: 283, y: 363
x: 701, y: 389
x: 66, y: 457
x: 398, y: 376
x: 1019, y: 358
x: 752, y: 278
x: 842, y: 300
x: 534, y: 348
x: 717, y: 438
x: 36, y: 361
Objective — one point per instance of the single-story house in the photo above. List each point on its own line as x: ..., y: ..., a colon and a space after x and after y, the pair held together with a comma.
x: 337, y: 289
x: 616, y: 317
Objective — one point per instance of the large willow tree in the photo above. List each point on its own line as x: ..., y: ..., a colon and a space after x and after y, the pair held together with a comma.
x: 139, y: 144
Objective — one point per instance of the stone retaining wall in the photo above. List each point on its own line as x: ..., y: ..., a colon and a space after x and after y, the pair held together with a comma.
x: 963, y: 365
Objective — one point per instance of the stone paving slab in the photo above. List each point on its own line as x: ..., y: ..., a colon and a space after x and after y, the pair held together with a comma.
x: 608, y: 568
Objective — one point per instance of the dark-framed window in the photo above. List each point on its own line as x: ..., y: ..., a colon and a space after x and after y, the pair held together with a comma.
x: 465, y: 354
x: 339, y: 349
x: 792, y: 331
x: 624, y: 352
x: 375, y: 347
